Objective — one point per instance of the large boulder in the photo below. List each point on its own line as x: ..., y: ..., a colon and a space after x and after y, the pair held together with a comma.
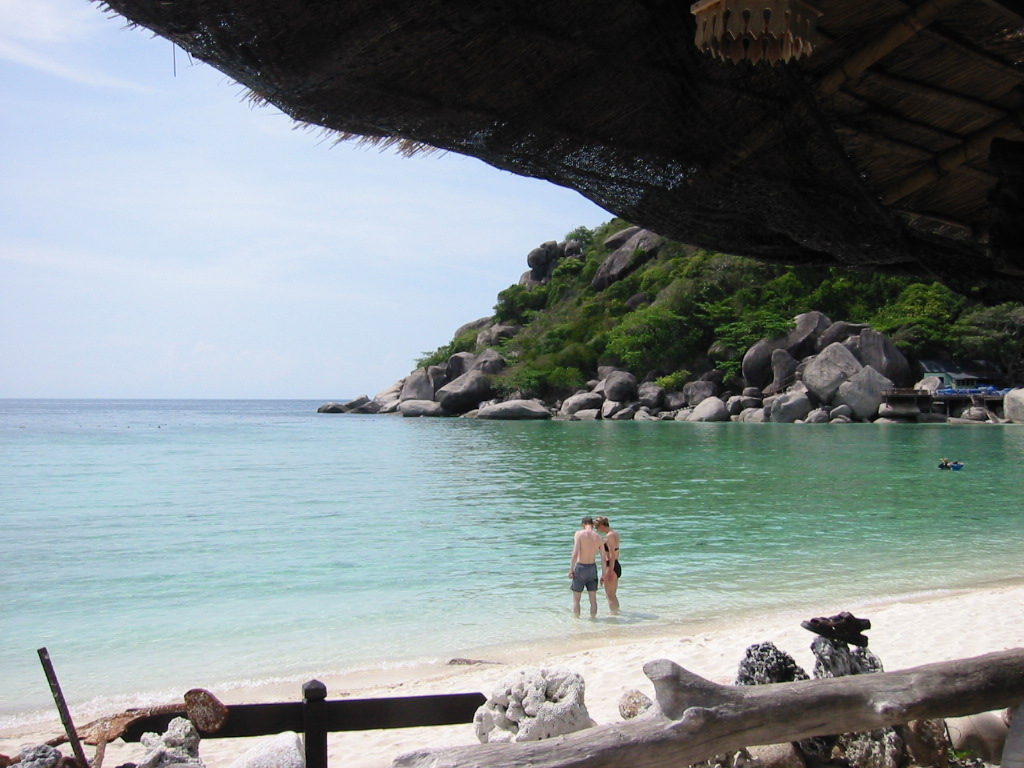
x: 752, y: 416
x: 613, y: 241
x: 543, y: 259
x: 828, y: 369
x: 1013, y: 405
x: 579, y: 402
x: 650, y: 395
x: 495, y: 334
x: 458, y: 364
x: 788, y: 407
x: 698, y: 391
x: 611, y: 407
x: 418, y: 386
x: 489, y: 361
x: 863, y: 392
x: 838, y: 332
x: 514, y: 409
x: 472, y: 325
x: 641, y: 247
x: 438, y: 375
x: 465, y: 393
x: 710, y: 409
x: 620, y: 386
x: 673, y: 401
x: 817, y: 416
x: 391, y: 394
x: 626, y: 412
x: 879, y: 351
x: 802, y: 340
x: 783, y: 371
x: 414, y: 408
x: 757, y: 365
x: 363, y: 405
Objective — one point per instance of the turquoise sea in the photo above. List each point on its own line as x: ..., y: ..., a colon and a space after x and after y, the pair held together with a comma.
x: 155, y: 546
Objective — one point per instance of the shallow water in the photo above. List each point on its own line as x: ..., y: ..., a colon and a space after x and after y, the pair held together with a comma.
x: 155, y: 544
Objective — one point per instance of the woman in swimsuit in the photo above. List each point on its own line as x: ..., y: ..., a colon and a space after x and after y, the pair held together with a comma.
x: 612, y: 569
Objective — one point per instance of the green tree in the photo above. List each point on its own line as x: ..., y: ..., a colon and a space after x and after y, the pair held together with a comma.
x: 650, y: 338
x: 517, y: 303
x: 996, y: 334
x: 922, y: 317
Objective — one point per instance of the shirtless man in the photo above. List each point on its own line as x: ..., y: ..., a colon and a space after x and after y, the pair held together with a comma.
x: 586, y: 549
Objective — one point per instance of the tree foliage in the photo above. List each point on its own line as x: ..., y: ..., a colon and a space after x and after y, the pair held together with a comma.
x: 689, y: 309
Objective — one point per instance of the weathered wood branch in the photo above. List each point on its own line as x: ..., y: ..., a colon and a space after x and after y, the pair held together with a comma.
x: 699, y: 718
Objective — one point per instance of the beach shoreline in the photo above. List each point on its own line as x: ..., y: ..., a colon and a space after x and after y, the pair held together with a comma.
x: 907, y: 631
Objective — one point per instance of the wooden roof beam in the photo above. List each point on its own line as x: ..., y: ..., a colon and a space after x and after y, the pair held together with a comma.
x: 851, y: 68
x: 972, y: 147
x: 900, y: 32
x: 934, y: 93
x: 907, y: 148
x: 949, y: 40
x: 884, y: 112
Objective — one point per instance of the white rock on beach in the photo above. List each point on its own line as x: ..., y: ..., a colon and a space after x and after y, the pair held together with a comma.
x: 533, y: 704
x: 281, y: 751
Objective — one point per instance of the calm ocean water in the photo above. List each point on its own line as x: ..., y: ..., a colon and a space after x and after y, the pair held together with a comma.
x: 160, y: 545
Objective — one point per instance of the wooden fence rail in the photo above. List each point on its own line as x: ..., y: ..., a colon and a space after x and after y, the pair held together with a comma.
x: 315, y: 717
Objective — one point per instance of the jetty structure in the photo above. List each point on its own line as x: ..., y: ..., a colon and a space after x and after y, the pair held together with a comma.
x: 886, y: 135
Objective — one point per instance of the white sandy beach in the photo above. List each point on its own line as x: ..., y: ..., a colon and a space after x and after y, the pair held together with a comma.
x: 905, y: 633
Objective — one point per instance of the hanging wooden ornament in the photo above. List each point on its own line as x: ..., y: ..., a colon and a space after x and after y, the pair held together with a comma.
x: 775, y: 31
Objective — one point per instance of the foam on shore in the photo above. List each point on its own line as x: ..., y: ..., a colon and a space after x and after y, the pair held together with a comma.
x: 906, y: 631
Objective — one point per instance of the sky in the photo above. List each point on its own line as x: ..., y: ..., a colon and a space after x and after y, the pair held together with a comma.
x: 162, y: 238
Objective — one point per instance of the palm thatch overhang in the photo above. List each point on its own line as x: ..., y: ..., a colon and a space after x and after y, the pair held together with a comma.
x: 876, y: 151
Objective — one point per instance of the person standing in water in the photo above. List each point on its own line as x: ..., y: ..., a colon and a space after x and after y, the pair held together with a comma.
x: 612, y: 570
x: 586, y: 550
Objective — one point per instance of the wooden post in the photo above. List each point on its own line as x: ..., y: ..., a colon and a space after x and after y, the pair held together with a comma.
x: 62, y: 708
x: 314, y: 718
x: 1013, y: 748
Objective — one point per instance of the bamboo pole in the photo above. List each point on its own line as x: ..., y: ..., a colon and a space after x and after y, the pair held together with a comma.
x: 62, y: 708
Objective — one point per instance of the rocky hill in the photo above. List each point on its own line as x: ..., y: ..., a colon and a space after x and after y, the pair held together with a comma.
x: 620, y: 323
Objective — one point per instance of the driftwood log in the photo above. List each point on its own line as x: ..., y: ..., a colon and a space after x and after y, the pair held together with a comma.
x: 699, y: 718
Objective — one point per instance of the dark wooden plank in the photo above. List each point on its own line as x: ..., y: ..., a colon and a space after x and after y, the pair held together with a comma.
x: 342, y: 715
x: 404, y: 712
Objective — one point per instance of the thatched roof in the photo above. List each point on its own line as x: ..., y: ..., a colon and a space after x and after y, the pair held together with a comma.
x: 872, y: 152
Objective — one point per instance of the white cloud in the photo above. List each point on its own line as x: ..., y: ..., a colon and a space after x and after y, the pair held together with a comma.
x: 50, y: 35
x: 46, y: 21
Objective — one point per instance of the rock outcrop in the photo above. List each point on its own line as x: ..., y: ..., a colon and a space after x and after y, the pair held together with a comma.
x: 514, y: 409
x: 642, y: 246
x: 1013, y: 405
x: 464, y: 393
